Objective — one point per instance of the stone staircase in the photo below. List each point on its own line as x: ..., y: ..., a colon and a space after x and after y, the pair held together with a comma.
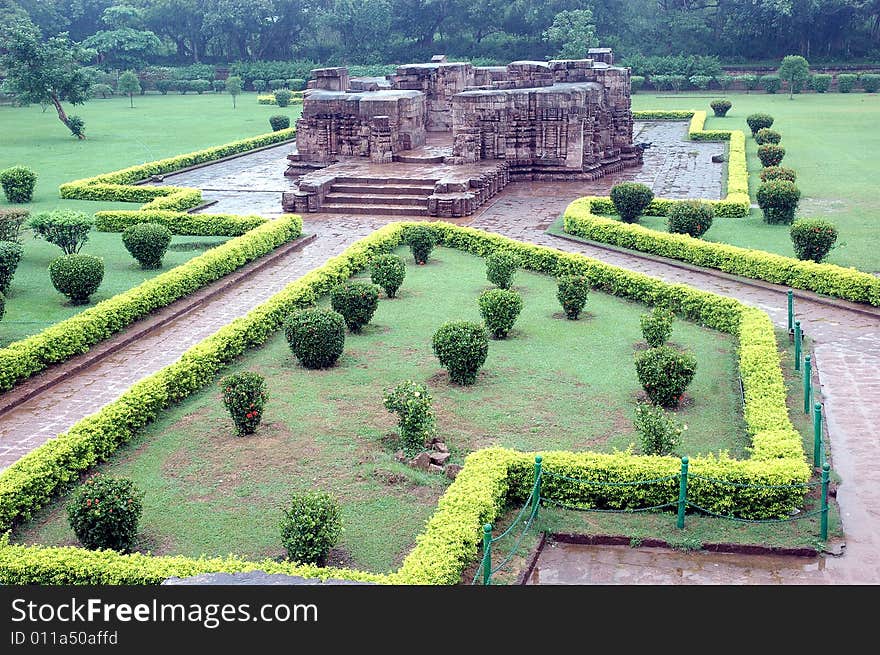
x: 386, y: 196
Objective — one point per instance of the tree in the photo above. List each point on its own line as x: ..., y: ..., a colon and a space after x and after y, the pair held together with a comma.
x: 129, y: 84
x: 795, y: 70
x: 574, y: 32
x: 127, y: 44
x: 46, y: 72
x: 233, y: 87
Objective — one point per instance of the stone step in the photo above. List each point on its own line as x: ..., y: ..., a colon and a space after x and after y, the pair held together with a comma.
x: 381, y: 210
x: 383, y: 189
x: 419, y: 159
x: 375, y: 199
x: 386, y: 181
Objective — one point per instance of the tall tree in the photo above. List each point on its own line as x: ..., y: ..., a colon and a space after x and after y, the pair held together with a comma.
x: 126, y: 44
x: 129, y: 85
x: 795, y: 70
x: 573, y: 32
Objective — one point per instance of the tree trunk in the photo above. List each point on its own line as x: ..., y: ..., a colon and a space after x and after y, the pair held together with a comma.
x: 131, y: 100
x: 62, y: 116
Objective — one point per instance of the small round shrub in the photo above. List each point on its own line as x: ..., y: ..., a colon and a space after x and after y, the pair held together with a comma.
x: 104, y: 512
x: 778, y: 199
x: 259, y: 85
x: 500, y: 308
x: 415, y: 418
x: 657, y: 326
x: 659, y: 433
x: 778, y: 173
x: 277, y: 84
x: 812, y: 238
x: 766, y: 135
x: 388, y: 271
x: 11, y: 220
x: 316, y: 336
x: 356, y: 302
x: 77, y: 276
x: 660, y: 82
x: 636, y: 83
x: 77, y: 126
x: 870, y: 82
x: 200, y: 86
x: 771, y: 154
x: 65, y: 228
x: 183, y: 86
x: 282, y: 97
x: 759, y: 121
x: 10, y: 256
x: 721, y: 107
x: 311, y: 525
x: 219, y: 86
x: 244, y: 396
x: 771, y: 83
x: 749, y: 81
x: 296, y: 84
x: 724, y: 82
x: 279, y: 122
x: 101, y: 91
x: 820, y: 82
x: 700, y: 82
x: 572, y: 292
x: 164, y: 86
x: 462, y: 348
x: 631, y: 199
x: 500, y: 268
x: 846, y: 82
x: 665, y: 373
x: 18, y: 183
x: 421, y: 242
x: 147, y: 243
x: 691, y: 217
x: 677, y: 82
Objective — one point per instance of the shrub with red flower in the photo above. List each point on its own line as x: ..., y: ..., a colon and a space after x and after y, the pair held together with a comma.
x: 244, y: 395
x: 104, y: 512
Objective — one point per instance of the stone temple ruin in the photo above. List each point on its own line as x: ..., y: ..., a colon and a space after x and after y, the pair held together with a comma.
x: 441, y: 138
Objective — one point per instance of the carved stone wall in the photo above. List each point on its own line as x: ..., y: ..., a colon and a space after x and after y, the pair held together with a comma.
x: 439, y: 82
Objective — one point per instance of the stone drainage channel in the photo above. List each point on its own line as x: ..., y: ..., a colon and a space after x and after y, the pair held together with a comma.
x: 846, y: 350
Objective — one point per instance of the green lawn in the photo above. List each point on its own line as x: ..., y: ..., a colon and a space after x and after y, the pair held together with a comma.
x: 33, y: 304
x: 831, y: 140
x: 555, y: 384
x: 118, y: 136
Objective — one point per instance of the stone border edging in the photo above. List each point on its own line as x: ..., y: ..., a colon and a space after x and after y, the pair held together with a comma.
x: 60, y: 372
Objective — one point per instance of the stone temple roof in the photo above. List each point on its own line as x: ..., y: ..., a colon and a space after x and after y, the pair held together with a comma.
x: 381, y: 94
x: 560, y: 87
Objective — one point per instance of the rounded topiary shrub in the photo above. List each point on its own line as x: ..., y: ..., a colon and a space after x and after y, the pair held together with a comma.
x: 77, y: 276
x: 636, y: 83
x: 812, y: 238
x: 244, y: 396
x: 500, y: 268
x: 771, y: 154
x: 846, y: 82
x: 657, y: 326
x: 259, y: 85
x: 219, y: 86
x: 571, y: 292
x: 277, y: 84
x: 462, y: 348
x: 316, y: 336
x: 500, y: 308
x: 415, y: 418
x: 691, y: 217
x: 767, y: 135
x: 65, y: 228
x: 778, y: 199
x: 10, y: 256
x: 870, y: 82
x: 771, y: 83
x: 18, y: 183
x: 631, y: 199
x: 820, y: 82
x: 356, y: 301
x: 147, y: 243
x: 311, y: 525
x: 421, y: 242
x: 721, y: 106
x: 665, y: 373
x: 279, y: 122
x: 388, y: 271
x: 659, y: 433
x: 759, y: 121
x: 282, y: 97
x: 104, y: 512
x: 778, y: 173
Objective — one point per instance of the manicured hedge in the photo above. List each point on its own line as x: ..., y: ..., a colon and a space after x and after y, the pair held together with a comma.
x: 228, y: 225
x: 829, y: 279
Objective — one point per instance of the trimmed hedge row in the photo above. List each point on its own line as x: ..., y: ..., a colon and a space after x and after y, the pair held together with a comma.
x: 75, y: 335
x: 829, y: 279
x: 296, y: 98
x: 227, y: 225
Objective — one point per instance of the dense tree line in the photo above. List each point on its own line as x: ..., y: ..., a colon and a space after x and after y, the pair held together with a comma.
x: 130, y: 33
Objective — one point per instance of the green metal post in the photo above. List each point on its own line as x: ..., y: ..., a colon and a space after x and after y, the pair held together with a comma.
x: 808, y: 381
x: 487, y: 554
x: 823, y: 529
x: 682, y: 492
x: 797, y: 345
x: 536, y: 499
x: 790, y: 310
x: 817, y: 435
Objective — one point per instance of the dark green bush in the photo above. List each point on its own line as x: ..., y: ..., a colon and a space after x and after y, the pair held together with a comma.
x: 182, y: 86
x: 296, y: 84
x: 778, y: 199
x: 421, y: 242
x: 636, y: 83
x: 870, y: 82
x: 10, y: 256
x: 700, y: 82
x: 104, y: 512
x: 282, y: 97
x: 631, y: 199
x: 771, y: 83
x: 812, y: 238
x: 691, y: 217
x: 11, y: 220
x: 356, y: 302
x: 462, y: 348
x: 244, y: 396
x: 724, y: 82
x: 771, y: 154
x: 749, y: 81
x: 415, y: 418
x: 778, y: 173
x: 259, y: 85
x: 65, y: 228
x: 500, y: 308
x: 77, y: 276
x: 279, y: 122
x: 310, y: 526
x: 677, y: 82
x: 657, y: 326
x: 76, y: 125
x: 219, y: 86
x: 665, y: 373
x: 846, y: 82
x: 316, y: 336
x: 660, y: 82
x: 276, y: 84
x: 721, y: 107
x: 164, y: 86
x: 18, y: 183
x: 759, y: 121
x: 572, y: 292
x: 659, y: 433
x: 200, y: 86
x: 101, y: 91
x: 147, y: 243
x: 500, y: 268
x: 766, y: 135
x: 820, y: 82
x: 388, y: 271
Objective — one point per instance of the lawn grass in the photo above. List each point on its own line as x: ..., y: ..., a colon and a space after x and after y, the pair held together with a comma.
x: 33, y: 304
x: 831, y: 140
x: 119, y: 136
x: 555, y: 384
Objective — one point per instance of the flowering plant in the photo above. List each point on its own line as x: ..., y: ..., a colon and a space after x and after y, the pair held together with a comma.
x: 244, y: 395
